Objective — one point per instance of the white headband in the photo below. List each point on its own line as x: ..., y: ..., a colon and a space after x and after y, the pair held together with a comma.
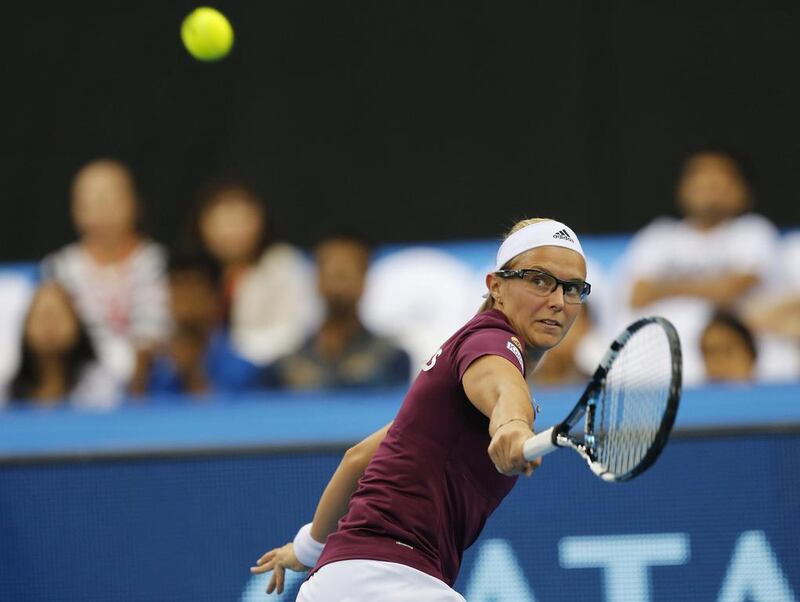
x: 547, y: 233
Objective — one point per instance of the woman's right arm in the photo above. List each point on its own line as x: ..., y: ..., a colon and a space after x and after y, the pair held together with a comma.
x: 497, y: 388
x: 331, y: 507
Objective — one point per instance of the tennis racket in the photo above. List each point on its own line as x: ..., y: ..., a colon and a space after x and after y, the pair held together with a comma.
x: 629, y: 406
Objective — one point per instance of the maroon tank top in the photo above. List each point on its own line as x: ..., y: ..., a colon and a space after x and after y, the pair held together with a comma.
x: 431, y: 485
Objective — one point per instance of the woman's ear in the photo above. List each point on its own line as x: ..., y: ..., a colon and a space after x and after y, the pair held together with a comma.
x: 493, y: 284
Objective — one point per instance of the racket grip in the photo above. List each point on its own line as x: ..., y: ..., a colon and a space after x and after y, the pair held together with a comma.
x: 539, y: 445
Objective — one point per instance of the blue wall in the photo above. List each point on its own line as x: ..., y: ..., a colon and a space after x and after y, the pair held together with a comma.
x: 188, y: 529
x: 717, y: 517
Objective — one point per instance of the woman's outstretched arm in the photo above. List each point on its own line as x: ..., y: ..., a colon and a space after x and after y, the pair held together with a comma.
x: 335, y: 499
x: 331, y: 507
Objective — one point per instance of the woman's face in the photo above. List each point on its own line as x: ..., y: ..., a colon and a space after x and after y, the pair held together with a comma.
x: 726, y: 356
x: 231, y: 228
x: 52, y: 327
x: 193, y: 298
x: 341, y: 274
x: 542, y: 321
x: 104, y: 202
x: 711, y: 189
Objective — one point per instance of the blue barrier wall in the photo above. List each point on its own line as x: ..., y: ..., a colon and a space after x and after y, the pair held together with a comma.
x: 715, y: 519
x: 713, y: 515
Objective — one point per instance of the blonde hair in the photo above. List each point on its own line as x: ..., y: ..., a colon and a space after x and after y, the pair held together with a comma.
x: 489, y: 301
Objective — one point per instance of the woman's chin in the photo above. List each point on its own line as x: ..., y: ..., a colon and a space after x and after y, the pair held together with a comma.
x: 544, y: 341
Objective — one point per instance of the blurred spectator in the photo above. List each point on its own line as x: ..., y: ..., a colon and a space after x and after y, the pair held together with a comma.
x: 712, y: 258
x: 16, y: 290
x: 775, y: 316
x: 343, y: 353
x: 780, y: 312
x: 729, y: 349
x: 197, y: 358
x: 58, y: 361
x: 267, y: 286
x: 715, y: 252
x: 790, y: 260
x: 419, y: 296
x: 113, y: 272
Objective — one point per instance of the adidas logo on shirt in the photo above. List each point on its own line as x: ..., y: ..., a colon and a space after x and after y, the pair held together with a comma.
x: 563, y: 235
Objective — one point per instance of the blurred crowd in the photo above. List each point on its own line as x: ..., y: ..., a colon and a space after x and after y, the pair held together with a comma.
x: 721, y: 273
x: 229, y: 307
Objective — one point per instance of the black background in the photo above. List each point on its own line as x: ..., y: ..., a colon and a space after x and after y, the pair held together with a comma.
x: 411, y: 120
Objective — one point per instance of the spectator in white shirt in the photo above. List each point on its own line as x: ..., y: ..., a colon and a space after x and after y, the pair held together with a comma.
x: 714, y: 257
x: 114, y: 273
x: 780, y: 313
x: 775, y: 315
x: 268, y: 291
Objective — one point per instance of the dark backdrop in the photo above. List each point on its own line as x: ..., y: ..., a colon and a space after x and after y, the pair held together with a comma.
x: 414, y: 119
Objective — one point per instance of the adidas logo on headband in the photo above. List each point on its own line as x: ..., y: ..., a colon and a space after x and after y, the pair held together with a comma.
x: 563, y: 235
x: 543, y: 233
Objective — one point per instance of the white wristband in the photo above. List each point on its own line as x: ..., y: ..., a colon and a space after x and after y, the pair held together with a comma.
x: 306, y: 548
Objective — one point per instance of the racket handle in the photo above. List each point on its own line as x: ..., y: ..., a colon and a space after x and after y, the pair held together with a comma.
x: 539, y: 445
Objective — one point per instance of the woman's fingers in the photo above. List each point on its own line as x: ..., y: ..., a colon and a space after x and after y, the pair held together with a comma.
x: 279, y: 575
x: 271, y: 586
x: 265, y: 563
x: 277, y: 560
x: 263, y: 568
x: 531, y: 466
x: 276, y: 582
x: 507, y: 445
x: 267, y: 556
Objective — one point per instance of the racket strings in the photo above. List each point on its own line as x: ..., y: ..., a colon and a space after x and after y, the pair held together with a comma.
x: 632, y: 403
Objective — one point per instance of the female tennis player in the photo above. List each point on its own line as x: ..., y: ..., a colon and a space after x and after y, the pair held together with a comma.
x: 409, y: 499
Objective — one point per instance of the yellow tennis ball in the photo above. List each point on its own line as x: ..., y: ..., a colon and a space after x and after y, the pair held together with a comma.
x: 207, y: 34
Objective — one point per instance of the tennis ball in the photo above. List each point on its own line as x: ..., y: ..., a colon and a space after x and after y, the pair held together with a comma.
x: 207, y: 34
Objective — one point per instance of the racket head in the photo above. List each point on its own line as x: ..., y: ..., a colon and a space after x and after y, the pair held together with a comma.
x: 631, y: 403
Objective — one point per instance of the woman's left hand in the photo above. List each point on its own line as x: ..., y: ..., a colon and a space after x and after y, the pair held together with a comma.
x: 277, y: 561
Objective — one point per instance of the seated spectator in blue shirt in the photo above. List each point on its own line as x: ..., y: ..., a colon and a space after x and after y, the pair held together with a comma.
x: 197, y: 358
x: 343, y: 353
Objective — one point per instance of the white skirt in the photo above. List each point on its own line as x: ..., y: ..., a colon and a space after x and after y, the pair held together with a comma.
x: 373, y: 580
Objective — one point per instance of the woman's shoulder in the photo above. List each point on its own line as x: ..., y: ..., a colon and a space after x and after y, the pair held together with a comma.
x: 491, y: 318
x: 150, y: 250
x: 281, y: 252
x: 485, y: 323
x: 662, y: 226
x: 68, y: 250
x: 754, y: 223
x: 148, y: 261
x: 280, y: 260
x: 488, y: 332
x: 790, y: 247
x: 62, y: 257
